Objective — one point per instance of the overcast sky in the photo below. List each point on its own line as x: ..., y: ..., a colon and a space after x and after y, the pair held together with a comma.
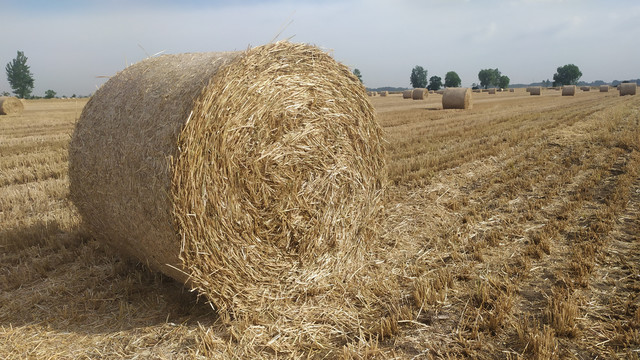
x: 70, y: 43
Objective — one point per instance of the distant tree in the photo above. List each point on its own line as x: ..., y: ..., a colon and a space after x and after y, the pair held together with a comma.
x: 503, y: 82
x: 19, y: 76
x: 49, y: 94
x: 475, y: 86
x: 489, y: 77
x: 418, y: 77
x: 356, y: 72
x: 5, y: 93
x: 567, y: 75
x: 451, y: 79
x: 73, y: 96
x: 435, y: 83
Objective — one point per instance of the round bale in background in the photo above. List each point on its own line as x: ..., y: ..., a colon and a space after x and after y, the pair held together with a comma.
x: 419, y: 94
x: 569, y: 90
x: 604, y: 88
x: 407, y: 94
x: 628, y: 89
x: 242, y: 174
x: 10, y: 106
x: 535, y: 90
x: 456, y: 98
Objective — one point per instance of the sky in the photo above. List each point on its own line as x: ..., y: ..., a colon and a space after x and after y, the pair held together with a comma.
x: 72, y: 46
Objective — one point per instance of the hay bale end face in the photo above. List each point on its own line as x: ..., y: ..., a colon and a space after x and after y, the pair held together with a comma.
x: 10, y: 106
x: 419, y: 94
x: 238, y: 173
x: 457, y: 98
x: 535, y: 90
x: 569, y: 90
x: 628, y: 89
x: 407, y: 94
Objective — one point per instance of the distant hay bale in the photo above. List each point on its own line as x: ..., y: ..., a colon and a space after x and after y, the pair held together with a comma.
x: 439, y: 92
x: 419, y: 94
x: 10, y: 106
x: 242, y: 174
x: 585, y: 88
x: 457, y: 98
x: 512, y: 90
x: 476, y: 90
x: 604, y: 88
x: 569, y: 90
x: 492, y: 91
x: 407, y: 94
x: 535, y: 90
x: 431, y: 92
x: 628, y: 89
x: 384, y: 93
x: 528, y: 89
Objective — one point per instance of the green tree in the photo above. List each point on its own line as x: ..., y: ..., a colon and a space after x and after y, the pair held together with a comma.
x: 503, y: 82
x: 49, y: 94
x: 19, y: 76
x: 5, y: 93
x: 356, y: 72
x: 435, y: 83
x: 489, y: 77
x: 567, y: 75
x: 418, y: 77
x: 451, y: 79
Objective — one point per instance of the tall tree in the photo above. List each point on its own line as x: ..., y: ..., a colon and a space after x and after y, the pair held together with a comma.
x: 435, y: 83
x: 489, y: 77
x: 503, y: 82
x: 418, y: 77
x: 451, y: 79
x: 356, y: 72
x: 19, y: 76
x: 567, y: 75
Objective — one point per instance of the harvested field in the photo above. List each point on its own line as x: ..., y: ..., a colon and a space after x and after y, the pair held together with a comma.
x: 511, y: 230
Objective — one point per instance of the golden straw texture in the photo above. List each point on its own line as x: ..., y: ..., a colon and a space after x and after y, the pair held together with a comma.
x: 10, y: 106
x: 248, y: 175
x: 419, y: 94
x: 628, y: 89
x: 457, y: 98
x: 407, y: 94
x: 568, y: 90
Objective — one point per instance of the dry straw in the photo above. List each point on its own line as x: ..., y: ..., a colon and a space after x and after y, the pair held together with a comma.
x: 10, y: 106
x: 457, y: 98
x: 248, y: 175
x: 628, y: 89
x: 604, y: 88
x: 384, y: 93
x: 535, y: 90
x: 419, y: 94
x: 568, y: 90
x: 407, y: 94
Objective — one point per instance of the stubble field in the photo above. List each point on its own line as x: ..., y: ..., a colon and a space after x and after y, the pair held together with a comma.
x: 511, y: 231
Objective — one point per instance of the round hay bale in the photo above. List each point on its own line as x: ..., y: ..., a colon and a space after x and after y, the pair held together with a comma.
x: 585, y: 88
x: 407, y: 94
x: 457, y: 98
x: 237, y: 173
x: 10, y: 106
x: 628, y: 89
x: 569, y: 90
x: 604, y: 88
x: 419, y: 94
x: 535, y: 90
x: 492, y: 91
x: 384, y: 93
x: 512, y: 90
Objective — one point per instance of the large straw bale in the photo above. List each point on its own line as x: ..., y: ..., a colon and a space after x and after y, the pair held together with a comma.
x: 569, y: 90
x: 10, y: 106
x: 535, y: 90
x: 407, y: 94
x: 604, y: 88
x: 628, y: 89
x: 245, y: 175
x: 457, y: 98
x: 419, y: 94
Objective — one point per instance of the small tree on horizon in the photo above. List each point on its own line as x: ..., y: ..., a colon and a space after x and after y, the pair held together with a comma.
x: 19, y: 76
x: 567, y: 75
x: 489, y: 77
x: 435, y: 83
x: 503, y: 82
x: 418, y: 77
x: 451, y: 79
x: 357, y: 73
x: 49, y: 94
